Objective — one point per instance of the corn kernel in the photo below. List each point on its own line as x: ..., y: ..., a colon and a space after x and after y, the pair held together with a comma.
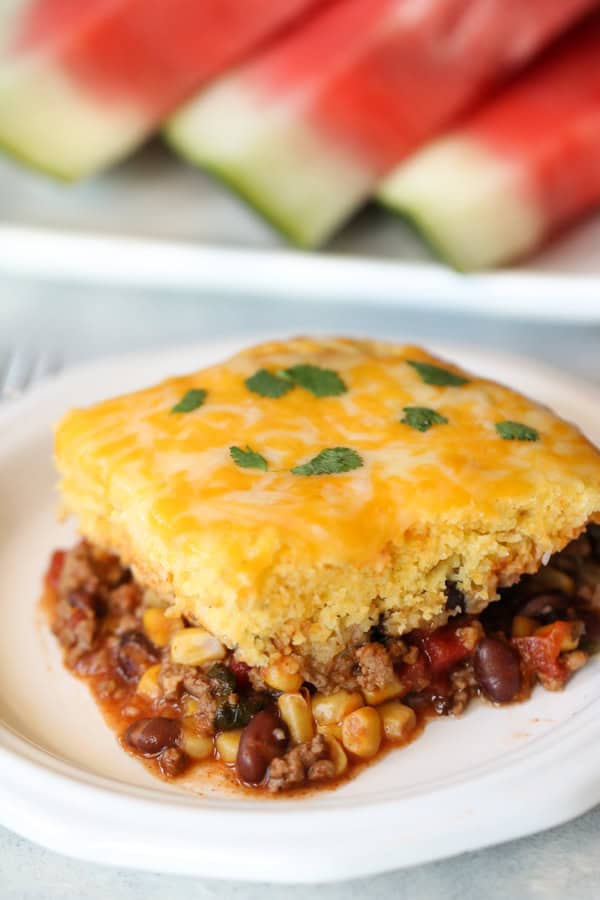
x: 571, y: 638
x: 227, y: 744
x: 361, y: 732
x: 283, y: 675
x: 198, y: 746
x: 151, y: 598
x: 399, y: 721
x: 392, y: 689
x: 194, y: 646
x: 190, y: 705
x: 337, y: 755
x: 331, y: 708
x: 575, y: 660
x: 523, y: 626
x: 334, y: 731
x: 295, y: 712
x: 148, y: 684
x: 158, y: 628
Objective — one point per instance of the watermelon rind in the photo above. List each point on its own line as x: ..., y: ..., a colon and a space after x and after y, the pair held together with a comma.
x: 48, y: 124
x: 471, y: 206
x: 303, y: 185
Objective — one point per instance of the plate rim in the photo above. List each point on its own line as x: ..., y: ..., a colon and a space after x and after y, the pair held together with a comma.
x: 257, y: 274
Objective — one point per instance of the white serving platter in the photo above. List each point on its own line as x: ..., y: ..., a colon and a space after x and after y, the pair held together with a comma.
x: 493, y: 775
x: 157, y: 223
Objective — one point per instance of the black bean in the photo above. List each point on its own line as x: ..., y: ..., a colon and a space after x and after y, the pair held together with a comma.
x: 264, y: 738
x: 442, y: 705
x: 87, y: 602
x: 378, y: 634
x: 455, y: 599
x: 151, y: 736
x: 547, y: 605
x: 497, y: 670
x: 135, y: 654
x: 591, y: 620
x: 593, y: 533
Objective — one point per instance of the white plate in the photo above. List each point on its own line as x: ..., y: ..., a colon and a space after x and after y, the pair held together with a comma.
x: 155, y: 222
x: 495, y: 774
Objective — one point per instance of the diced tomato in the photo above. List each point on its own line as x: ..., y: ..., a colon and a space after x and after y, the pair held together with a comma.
x: 416, y: 676
x: 443, y: 648
x: 541, y: 652
x: 55, y: 568
x: 241, y: 672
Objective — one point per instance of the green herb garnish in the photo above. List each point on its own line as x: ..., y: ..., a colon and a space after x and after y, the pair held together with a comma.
x: 515, y: 431
x: 237, y: 715
x: 248, y: 458
x: 421, y: 418
x: 330, y: 462
x: 268, y: 385
x: 223, y: 680
x: 190, y: 401
x: 320, y: 382
x: 436, y: 375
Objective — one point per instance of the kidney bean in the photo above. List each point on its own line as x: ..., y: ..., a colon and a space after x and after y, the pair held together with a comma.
x: 241, y: 672
x: 545, y: 605
x: 497, y: 669
x: 152, y: 736
x: 134, y: 654
x: 264, y: 738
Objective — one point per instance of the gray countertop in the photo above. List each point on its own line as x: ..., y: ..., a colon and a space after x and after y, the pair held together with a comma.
x: 77, y: 323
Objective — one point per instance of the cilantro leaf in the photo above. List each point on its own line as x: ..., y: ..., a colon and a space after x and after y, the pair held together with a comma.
x: 421, y: 418
x: 190, y: 401
x: 330, y: 462
x: 436, y: 375
x: 266, y: 384
x: 248, y: 458
x: 320, y: 382
x: 515, y: 431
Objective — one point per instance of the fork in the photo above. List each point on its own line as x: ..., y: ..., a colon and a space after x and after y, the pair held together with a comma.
x: 23, y: 368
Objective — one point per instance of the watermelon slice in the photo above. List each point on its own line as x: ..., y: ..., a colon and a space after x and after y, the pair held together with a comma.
x: 82, y: 82
x: 519, y: 169
x: 306, y: 129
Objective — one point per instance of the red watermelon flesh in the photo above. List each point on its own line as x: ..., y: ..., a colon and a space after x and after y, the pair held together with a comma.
x: 517, y: 170
x: 148, y: 54
x: 548, y: 122
x: 382, y: 76
x: 358, y: 86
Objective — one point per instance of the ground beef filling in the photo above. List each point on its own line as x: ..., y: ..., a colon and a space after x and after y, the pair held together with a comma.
x: 178, y: 698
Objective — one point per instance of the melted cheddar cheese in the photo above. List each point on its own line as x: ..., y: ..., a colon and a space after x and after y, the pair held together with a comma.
x: 275, y: 562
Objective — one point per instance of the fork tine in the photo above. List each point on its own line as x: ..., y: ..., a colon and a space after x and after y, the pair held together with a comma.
x: 24, y: 368
x: 17, y: 373
x: 44, y: 364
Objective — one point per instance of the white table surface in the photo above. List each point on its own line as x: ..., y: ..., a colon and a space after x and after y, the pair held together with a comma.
x: 79, y: 323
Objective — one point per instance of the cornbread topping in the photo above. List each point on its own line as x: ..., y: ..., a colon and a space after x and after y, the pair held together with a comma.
x: 315, y: 519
